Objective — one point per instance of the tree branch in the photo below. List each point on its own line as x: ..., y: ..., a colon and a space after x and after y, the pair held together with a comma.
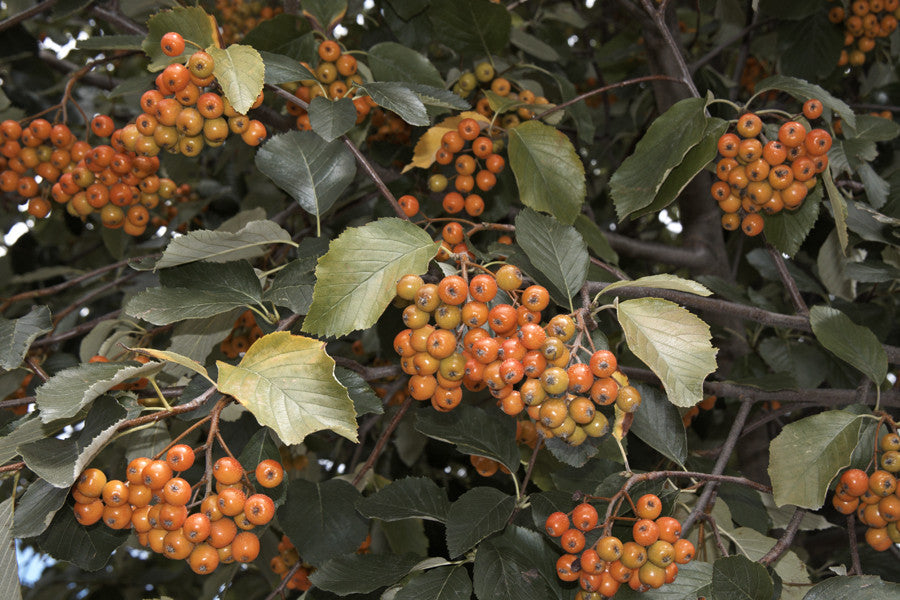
x: 690, y: 257
x: 784, y: 542
x: 26, y: 14
x: 382, y: 440
x: 788, y: 280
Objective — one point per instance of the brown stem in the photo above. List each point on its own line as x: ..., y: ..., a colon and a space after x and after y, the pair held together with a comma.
x: 602, y: 90
x: 784, y: 542
x: 382, y: 440
x: 92, y: 295
x: 727, y: 448
x: 659, y: 17
x: 855, y: 566
x: 279, y: 589
x: 531, y: 461
x: 77, y: 330
x: 26, y: 14
x: 213, y: 431
x: 165, y: 414
x: 12, y: 467
x: 788, y: 280
x: 114, y: 17
x: 367, y: 373
x: 36, y: 368
x: 691, y: 257
x: 717, y: 537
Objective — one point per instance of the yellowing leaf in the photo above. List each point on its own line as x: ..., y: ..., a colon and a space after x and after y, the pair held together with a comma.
x: 287, y: 381
x: 423, y: 153
x: 241, y: 73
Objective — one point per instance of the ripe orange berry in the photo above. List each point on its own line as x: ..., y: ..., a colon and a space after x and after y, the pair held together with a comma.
x: 648, y: 506
x: 172, y: 44
x: 409, y: 204
x: 228, y: 471
x: 557, y: 524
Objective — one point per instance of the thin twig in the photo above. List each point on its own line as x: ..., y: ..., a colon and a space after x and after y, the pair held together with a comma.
x: 530, y: 467
x: 12, y: 467
x: 855, y: 566
x: 602, y: 90
x: 114, y: 17
x: 382, y: 440
x: 788, y: 280
x: 26, y: 14
x: 717, y: 536
x: 784, y: 542
x: 165, y: 414
x: 659, y: 17
x: 77, y: 330
x: 719, y: 468
x: 279, y: 589
x: 367, y: 373
x: 92, y: 295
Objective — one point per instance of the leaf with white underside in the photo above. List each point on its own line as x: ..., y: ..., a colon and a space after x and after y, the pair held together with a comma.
x: 68, y: 391
x: 673, y: 342
x: 287, y: 381
x: 356, y: 278
x: 240, y: 71
x: 662, y: 282
x: 16, y: 335
x: 9, y: 567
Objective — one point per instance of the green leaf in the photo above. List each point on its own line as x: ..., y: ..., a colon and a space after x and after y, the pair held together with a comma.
x: 328, y: 524
x: 111, y: 42
x: 532, y: 45
x: 473, y: 431
x: 287, y: 381
x: 808, y: 454
x: 9, y: 568
x: 240, y: 71
x: 438, y: 97
x: 441, y: 583
x: 67, y: 392
x: 696, y: 159
x: 356, y: 278
x: 673, y: 342
x: 595, y: 239
x: 803, y: 90
x: 788, y: 10
x: 813, y: 44
x: 16, y: 335
x: 475, y: 27
x: 738, y: 578
x: 293, y: 286
x: 61, y: 461
x: 191, y: 22
x: 873, y: 129
x: 502, y: 572
x: 787, y: 229
x: 868, y: 587
x: 852, y: 343
x: 361, y: 573
x: 838, y: 209
x: 877, y: 189
x: 220, y: 246
x: 197, y: 291
x: 331, y: 118
x: 283, y: 69
x: 662, y: 282
x: 90, y: 548
x: 693, y: 581
x: 475, y: 515
x: 409, y: 498
x: 557, y: 250
x: 658, y: 423
x: 327, y: 13
x: 669, y: 138
x: 390, y: 61
x: 549, y: 173
x: 195, y: 339
x: 789, y: 567
x: 574, y: 456
x: 314, y: 172
x: 397, y: 97
x: 174, y: 357
x: 364, y: 399
x: 35, y: 509
x: 25, y: 430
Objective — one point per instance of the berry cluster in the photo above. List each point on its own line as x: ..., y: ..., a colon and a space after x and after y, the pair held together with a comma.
x: 484, y: 78
x: 767, y: 176
x: 244, y: 332
x: 865, y: 22
x: 388, y: 127
x: 874, y: 497
x: 335, y: 78
x: 238, y: 18
x: 649, y: 561
x: 41, y: 162
x: 285, y: 561
x: 156, y: 502
x: 525, y: 366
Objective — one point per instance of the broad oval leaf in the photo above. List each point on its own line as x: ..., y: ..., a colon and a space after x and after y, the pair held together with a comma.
x: 240, y: 71
x: 664, y: 281
x: 673, y: 342
x: 36, y: 508
x: 90, y: 548
x: 287, y: 381
x: 331, y: 118
x: 326, y: 13
x: 808, y: 454
x: 9, y: 567
x: 838, y: 209
x: 475, y: 515
x: 548, y: 171
x: 787, y: 229
x: 314, y: 172
x: 70, y: 390
x: 739, y: 578
x: 397, y: 97
x: 850, y: 342
x: 501, y: 574
x: 361, y: 573
x: 16, y: 335
x: 803, y: 90
x: 557, y: 250
x: 282, y: 69
x: 473, y: 431
x: 595, y: 239
x: 639, y: 178
x: 192, y: 22
x: 409, y: 498
x: 390, y: 61
x: 356, y: 278
x: 471, y: 26
x: 441, y: 583
x: 658, y: 423
x: 869, y: 587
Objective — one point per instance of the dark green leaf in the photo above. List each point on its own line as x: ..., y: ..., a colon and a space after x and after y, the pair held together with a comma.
x: 314, y: 172
x: 658, y: 423
x: 16, y: 335
x: 397, y: 97
x: 532, y: 45
x: 473, y: 431
x: 803, y: 90
x: 390, y: 61
x: 850, y: 342
x: 321, y: 519
x: 90, y: 548
x: 331, y: 118
x: 838, y: 209
x: 873, y: 129
x: 877, y: 189
x: 35, y: 509
x: 595, y: 239
x: 364, y: 399
x: 283, y: 34
x: 282, y: 69
x: 25, y: 430
x: 438, y: 97
x: 409, y: 498
x: 441, y: 583
x: 739, y: 578
x: 327, y: 13
x: 797, y: 9
x: 574, y: 456
x: 813, y: 45
x: 549, y: 173
x: 361, y: 573
x: 788, y: 229
x: 293, y: 286
x: 865, y: 587
x: 471, y: 26
x: 61, y: 461
x: 475, y: 515
x: 9, y: 568
x: 639, y: 178
x: 557, y: 250
x: 500, y: 573
x: 191, y: 22
x: 260, y: 447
